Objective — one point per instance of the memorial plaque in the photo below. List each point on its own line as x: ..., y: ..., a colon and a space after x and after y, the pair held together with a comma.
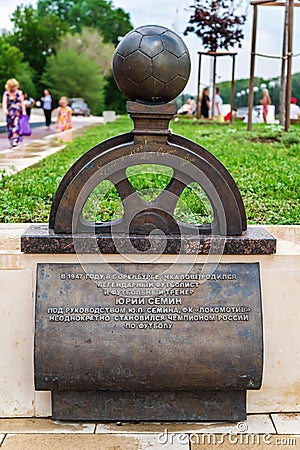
x: 149, y: 341
x: 147, y: 330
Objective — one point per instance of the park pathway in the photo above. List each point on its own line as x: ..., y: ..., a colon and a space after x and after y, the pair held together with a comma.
x: 40, y: 144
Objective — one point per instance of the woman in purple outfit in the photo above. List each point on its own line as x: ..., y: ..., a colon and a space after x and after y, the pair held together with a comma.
x: 13, y: 106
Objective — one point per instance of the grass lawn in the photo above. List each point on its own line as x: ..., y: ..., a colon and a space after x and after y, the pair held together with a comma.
x: 265, y: 165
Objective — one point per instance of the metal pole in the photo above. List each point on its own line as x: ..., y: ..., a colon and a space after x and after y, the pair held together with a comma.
x: 214, y: 88
x: 232, y: 88
x: 289, y: 65
x: 198, y: 89
x: 251, y: 82
x: 283, y: 69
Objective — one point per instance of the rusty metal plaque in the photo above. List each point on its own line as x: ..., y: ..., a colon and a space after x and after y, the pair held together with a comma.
x: 148, y: 328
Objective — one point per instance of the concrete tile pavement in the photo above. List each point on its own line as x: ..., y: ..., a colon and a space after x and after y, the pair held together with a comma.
x: 149, y: 442
x: 257, y: 432
x: 287, y: 423
x: 82, y: 442
x: 42, y: 426
x: 261, y: 423
x: 256, y: 442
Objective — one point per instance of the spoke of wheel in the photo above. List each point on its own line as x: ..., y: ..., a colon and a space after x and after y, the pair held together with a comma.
x: 169, y: 197
x: 128, y: 194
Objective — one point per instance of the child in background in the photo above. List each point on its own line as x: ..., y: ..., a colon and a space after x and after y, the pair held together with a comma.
x: 64, y: 115
x: 228, y: 115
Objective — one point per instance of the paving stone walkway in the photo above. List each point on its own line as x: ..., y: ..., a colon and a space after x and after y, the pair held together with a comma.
x: 259, y: 431
x: 42, y: 143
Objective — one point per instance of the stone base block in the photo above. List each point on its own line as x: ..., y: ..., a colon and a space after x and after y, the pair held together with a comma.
x: 149, y: 406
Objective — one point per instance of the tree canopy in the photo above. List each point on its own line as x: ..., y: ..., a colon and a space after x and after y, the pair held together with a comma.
x: 12, y: 66
x: 68, y: 73
x: 65, y: 45
x: 36, y: 36
x: 218, y: 23
x: 100, y: 14
x: 79, y: 66
x: 89, y: 43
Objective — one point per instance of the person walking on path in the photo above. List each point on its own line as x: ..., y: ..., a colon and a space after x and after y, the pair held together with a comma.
x: 13, y: 106
x: 205, y: 104
x: 29, y: 103
x: 265, y: 101
x: 47, y: 102
x: 64, y: 115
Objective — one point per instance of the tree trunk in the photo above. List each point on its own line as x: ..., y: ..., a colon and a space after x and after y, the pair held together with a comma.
x: 283, y: 69
x: 213, y: 100
x: 288, y: 88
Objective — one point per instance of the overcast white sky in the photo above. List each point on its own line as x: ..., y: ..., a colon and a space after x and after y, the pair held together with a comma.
x: 174, y: 14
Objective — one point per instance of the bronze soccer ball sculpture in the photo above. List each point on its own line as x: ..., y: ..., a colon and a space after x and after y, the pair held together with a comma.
x: 151, y: 64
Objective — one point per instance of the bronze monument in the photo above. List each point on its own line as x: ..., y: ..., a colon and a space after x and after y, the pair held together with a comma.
x: 142, y: 340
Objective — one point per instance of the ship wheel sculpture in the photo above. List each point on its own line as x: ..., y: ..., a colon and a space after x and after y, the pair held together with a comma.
x: 151, y: 66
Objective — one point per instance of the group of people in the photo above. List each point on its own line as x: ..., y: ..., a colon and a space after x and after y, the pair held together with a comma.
x: 266, y: 100
x: 205, y: 106
x: 190, y: 106
x: 64, y: 112
x: 15, y: 103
